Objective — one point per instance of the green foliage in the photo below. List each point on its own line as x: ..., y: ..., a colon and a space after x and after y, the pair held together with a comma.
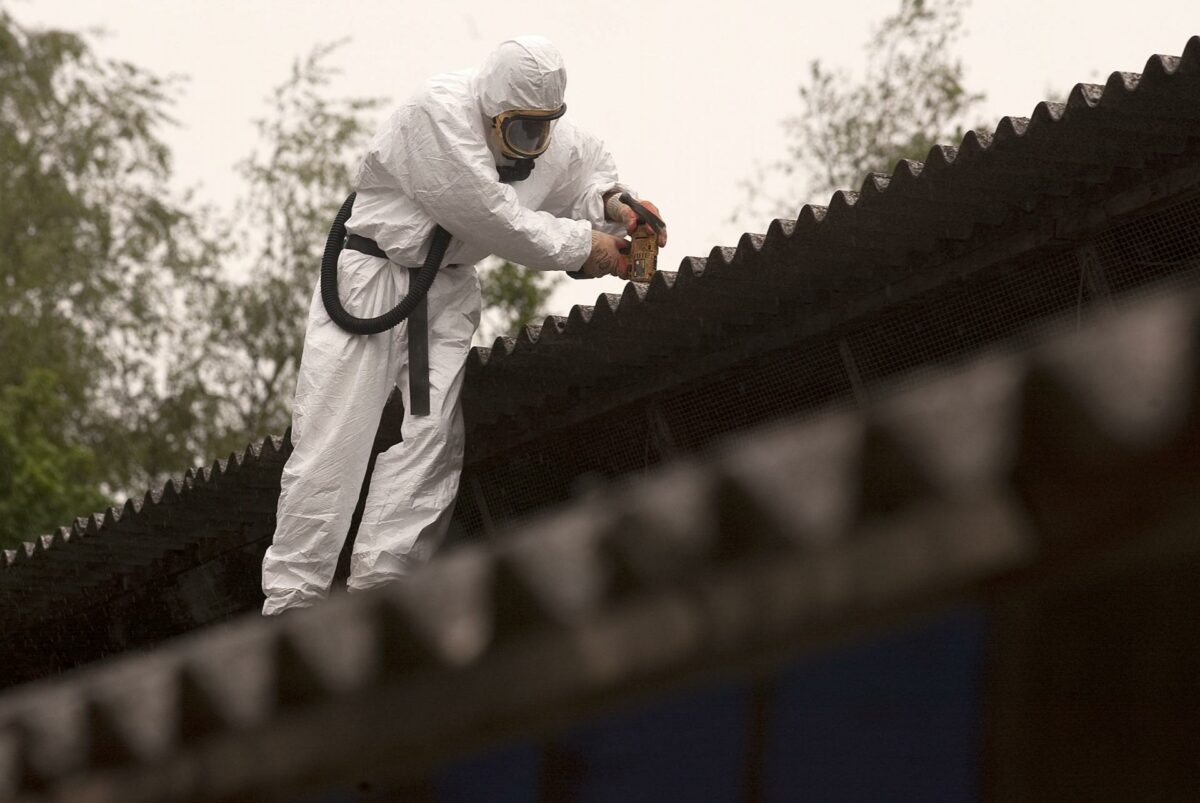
x: 43, y: 475
x: 96, y: 258
x: 911, y: 97
x: 310, y: 147
x: 512, y: 297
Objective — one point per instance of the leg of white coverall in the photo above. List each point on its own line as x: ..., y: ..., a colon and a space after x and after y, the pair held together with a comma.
x: 344, y: 382
x: 414, y: 483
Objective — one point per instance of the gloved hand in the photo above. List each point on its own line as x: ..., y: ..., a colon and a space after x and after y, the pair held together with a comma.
x: 618, y: 212
x: 607, y: 257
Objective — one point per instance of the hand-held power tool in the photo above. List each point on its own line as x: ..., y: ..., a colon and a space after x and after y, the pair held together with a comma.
x: 643, y: 252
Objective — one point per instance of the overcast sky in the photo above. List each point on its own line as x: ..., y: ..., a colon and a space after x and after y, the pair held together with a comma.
x: 687, y: 95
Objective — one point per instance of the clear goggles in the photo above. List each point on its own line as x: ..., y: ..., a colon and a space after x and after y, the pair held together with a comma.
x: 525, y: 133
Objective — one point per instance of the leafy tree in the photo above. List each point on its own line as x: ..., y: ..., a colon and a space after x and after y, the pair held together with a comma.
x: 43, y: 475
x: 310, y: 146
x: 512, y: 297
x: 912, y: 97
x: 98, y: 262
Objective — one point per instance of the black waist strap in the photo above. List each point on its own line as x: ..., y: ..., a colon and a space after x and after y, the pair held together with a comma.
x: 365, y: 245
x: 418, y: 334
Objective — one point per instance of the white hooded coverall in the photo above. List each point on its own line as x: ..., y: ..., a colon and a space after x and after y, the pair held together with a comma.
x: 432, y: 161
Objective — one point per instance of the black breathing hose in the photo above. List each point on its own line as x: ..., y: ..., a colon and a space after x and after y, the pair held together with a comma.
x: 416, y: 290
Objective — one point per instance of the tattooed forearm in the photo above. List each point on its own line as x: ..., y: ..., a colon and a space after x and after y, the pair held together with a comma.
x: 604, y: 258
x: 605, y: 264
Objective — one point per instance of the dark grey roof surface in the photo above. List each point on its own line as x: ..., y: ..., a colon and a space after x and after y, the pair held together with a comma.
x: 781, y: 538
x: 1108, y: 152
x: 867, y: 248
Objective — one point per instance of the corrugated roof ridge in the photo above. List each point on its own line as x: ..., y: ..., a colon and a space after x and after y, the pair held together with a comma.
x: 125, y: 528
x: 909, y: 176
x: 1189, y: 62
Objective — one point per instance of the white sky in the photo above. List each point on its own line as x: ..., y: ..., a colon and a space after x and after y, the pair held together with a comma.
x: 687, y: 95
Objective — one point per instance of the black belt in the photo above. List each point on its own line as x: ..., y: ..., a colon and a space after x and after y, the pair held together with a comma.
x: 365, y: 245
x: 418, y: 334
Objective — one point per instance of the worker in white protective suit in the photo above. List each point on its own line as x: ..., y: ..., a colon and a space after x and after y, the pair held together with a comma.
x: 438, y: 159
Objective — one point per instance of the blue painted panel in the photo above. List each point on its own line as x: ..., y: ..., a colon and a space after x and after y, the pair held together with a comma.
x: 510, y: 774
x: 689, y: 747
x: 897, y: 718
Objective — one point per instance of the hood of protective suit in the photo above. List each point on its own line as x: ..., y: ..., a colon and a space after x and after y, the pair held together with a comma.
x: 522, y: 73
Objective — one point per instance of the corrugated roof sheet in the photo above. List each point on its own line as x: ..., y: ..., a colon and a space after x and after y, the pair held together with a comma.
x: 783, y: 537
x: 871, y: 246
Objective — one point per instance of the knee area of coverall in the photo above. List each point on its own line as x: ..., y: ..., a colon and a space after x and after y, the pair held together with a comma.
x: 439, y: 428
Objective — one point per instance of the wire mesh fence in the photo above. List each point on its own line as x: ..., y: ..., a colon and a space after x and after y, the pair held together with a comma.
x: 1013, y: 303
